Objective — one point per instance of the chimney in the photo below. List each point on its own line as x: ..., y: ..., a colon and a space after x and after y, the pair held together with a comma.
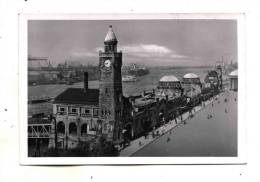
x: 85, y: 81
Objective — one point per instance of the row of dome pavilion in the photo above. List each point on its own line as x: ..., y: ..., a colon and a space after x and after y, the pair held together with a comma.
x: 173, y: 81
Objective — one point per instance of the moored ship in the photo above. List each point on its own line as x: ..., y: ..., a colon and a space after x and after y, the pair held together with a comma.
x: 136, y: 70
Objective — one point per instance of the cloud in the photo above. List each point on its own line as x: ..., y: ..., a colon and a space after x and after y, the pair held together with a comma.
x: 148, y: 51
x: 80, y: 53
x: 151, y: 51
x: 178, y: 56
x: 146, y: 48
x: 138, y: 53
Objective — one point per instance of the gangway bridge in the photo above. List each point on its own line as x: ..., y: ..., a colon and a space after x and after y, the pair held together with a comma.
x: 39, y: 128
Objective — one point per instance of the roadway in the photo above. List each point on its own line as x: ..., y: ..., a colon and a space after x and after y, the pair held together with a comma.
x: 201, y: 135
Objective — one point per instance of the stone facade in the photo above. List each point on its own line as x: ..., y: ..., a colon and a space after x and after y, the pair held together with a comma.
x: 73, y: 127
x: 110, y: 88
x: 110, y: 96
x: 84, y: 114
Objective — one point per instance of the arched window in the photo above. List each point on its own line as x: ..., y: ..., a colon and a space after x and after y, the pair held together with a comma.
x: 73, y: 129
x: 84, y: 129
x: 61, y: 128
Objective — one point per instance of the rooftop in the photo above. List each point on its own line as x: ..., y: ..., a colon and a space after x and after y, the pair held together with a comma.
x: 190, y: 75
x: 234, y: 73
x: 110, y: 35
x: 144, y: 101
x: 39, y: 120
x: 78, y: 96
x: 169, y: 78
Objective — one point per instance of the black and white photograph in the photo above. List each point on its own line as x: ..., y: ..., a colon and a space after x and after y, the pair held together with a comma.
x: 129, y: 90
x: 157, y: 87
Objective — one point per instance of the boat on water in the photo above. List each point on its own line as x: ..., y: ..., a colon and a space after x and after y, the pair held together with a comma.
x: 138, y: 70
x: 135, y: 70
x: 129, y: 78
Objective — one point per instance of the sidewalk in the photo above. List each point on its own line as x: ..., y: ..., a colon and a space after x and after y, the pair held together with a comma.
x: 141, y: 142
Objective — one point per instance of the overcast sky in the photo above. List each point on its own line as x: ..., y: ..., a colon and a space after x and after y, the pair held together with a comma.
x: 151, y: 42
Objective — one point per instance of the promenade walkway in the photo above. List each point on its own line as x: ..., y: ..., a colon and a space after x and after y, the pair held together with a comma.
x: 212, y: 132
x: 141, y: 142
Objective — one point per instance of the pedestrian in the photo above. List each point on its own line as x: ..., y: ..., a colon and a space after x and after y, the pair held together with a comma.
x: 168, y: 139
x: 140, y: 143
x: 153, y: 135
x: 190, y: 111
x: 163, y: 130
x: 175, y: 119
x: 146, y: 135
x: 235, y: 99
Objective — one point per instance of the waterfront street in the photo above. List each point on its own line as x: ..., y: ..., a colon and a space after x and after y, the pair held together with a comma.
x: 200, y: 136
x: 173, y: 105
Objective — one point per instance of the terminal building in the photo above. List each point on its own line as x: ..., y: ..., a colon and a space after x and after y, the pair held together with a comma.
x: 170, y: 86
x: 84, y: 114
x: 233, y: 76
x: 192, y: 85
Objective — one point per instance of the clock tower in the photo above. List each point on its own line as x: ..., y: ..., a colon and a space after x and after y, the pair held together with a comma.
x: 110, y: 88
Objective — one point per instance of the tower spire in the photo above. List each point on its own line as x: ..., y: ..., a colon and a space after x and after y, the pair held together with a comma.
x: 110, y: 37
x: 110, y: 40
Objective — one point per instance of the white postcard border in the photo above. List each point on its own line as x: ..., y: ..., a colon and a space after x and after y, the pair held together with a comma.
x: 23, y: 93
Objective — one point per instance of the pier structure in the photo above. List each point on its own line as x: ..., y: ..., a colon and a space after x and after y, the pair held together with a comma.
x: 39, y: 128
x: 86, y: 114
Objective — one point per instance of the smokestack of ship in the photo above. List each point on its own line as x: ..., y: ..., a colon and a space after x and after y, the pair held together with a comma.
x: 85, y: 81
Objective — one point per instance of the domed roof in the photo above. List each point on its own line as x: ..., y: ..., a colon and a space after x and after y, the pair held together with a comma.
x: 190, y: 75
x: 169, y: 78
x: 233, y: 73
x: 110, y: 35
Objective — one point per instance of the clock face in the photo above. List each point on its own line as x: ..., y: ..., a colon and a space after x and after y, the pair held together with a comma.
x: 107, y: 63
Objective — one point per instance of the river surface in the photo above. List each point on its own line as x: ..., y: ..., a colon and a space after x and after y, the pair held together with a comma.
x: 146, y: 82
